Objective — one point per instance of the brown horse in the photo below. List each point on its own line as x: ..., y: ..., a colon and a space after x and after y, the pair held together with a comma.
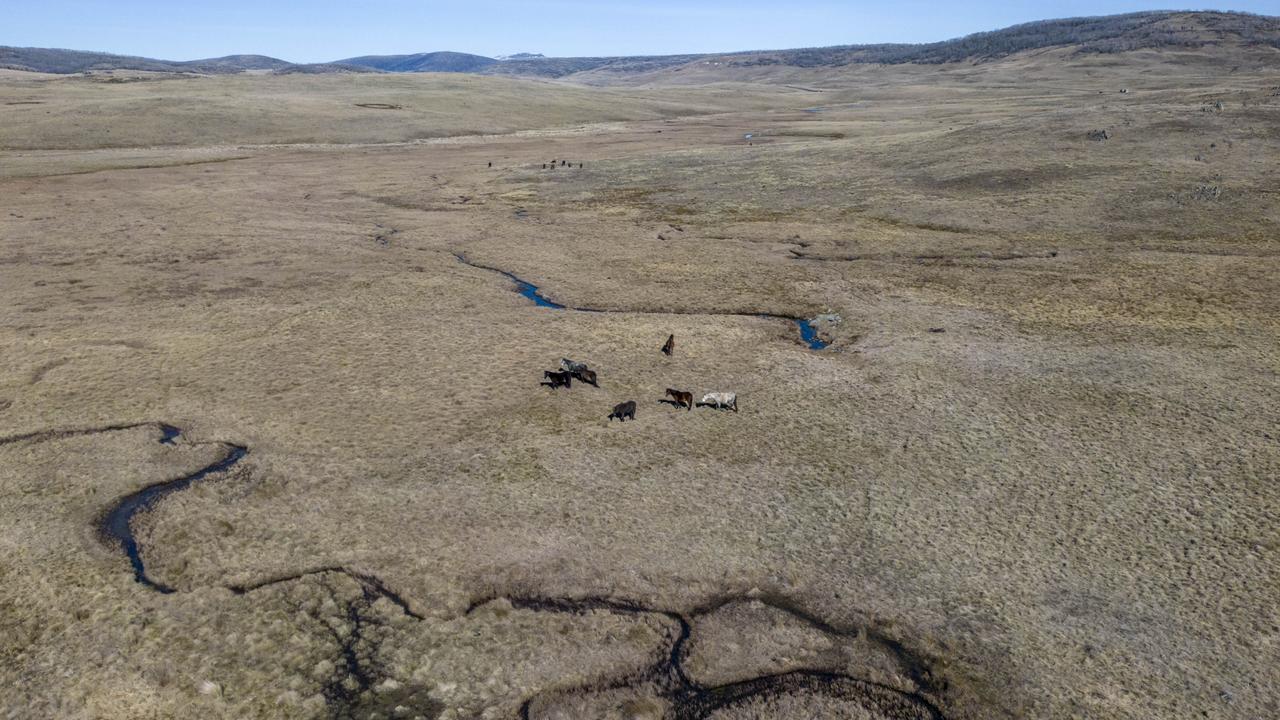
x: 681, y: 398
x: 670, y: 346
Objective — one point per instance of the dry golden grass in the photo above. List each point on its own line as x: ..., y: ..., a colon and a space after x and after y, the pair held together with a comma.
x: 1063, y: 505
x: 47, y: 112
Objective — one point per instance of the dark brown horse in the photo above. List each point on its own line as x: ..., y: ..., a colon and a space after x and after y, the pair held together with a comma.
x: 625, y: 410
x: 670, y: 346
x: 681, y: 398
x: 554, y: 379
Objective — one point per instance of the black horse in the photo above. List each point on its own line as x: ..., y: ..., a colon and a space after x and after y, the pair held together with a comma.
x: 625, y: 410
x: 556, y: 379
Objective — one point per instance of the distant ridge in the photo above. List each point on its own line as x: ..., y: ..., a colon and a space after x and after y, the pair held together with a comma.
x: 1106, y: 34
x: 50, y: 60
x: 422, y: 62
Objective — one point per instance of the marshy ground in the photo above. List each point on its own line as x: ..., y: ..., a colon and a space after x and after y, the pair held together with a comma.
x: 1034, y: 474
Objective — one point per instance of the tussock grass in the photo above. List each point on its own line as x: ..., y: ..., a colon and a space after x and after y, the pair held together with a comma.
x: 1063, y: 500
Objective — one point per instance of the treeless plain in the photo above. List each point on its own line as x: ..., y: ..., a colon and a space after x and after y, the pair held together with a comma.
x: 1032, y: 475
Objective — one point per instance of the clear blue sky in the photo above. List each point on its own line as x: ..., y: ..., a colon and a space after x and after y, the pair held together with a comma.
x: 319, y: 30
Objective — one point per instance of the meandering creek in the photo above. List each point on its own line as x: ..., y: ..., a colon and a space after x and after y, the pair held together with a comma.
x: 808, y: 333
x: 117, y: 525
x: 358, y: 671
x: 689, y: 699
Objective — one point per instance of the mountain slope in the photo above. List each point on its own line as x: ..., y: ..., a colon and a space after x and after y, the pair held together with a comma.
x: 52, y: 60
x: 422, y: 62
x: 1106, y: 34
x: 236, y: 63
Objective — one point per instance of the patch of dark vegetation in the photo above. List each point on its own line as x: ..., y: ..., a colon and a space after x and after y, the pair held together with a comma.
x: 1003, y: 180
x: 925, y: 258
x: 352, y: 692
x: 371, y: 584
x: 146, y: 166
x: 47, y: 435
x: 926, y: 225
x: 825, y: 134
x: 668, y: 679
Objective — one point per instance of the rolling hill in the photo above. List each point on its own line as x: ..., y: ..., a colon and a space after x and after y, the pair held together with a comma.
x: 1088, y: 35
x: 422, y: 62
x: 50, y: 60
x: 1105, y: 34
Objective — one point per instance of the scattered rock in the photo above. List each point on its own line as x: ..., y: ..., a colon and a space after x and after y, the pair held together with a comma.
x: 1098, y: 135
x: 209, y: 687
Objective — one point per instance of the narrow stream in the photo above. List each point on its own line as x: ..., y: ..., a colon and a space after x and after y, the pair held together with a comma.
x: 118, y: 523
x: 691, y: 700
x: 666, y: 676
x: 808, y: 333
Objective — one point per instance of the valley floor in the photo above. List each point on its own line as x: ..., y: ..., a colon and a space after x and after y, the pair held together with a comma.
x: 1034, y: 473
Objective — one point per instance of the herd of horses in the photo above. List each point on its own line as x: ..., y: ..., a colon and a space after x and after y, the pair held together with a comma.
x: 552, y: 164
x: 571, y: 370
x: 563, y: 163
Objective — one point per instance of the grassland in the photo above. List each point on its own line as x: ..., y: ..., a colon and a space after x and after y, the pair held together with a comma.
x: 1063, y: 504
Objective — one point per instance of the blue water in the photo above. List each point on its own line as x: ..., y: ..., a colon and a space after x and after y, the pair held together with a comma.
x: 809, y: 334
x: 118, y: 522
x: 530, y: 291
